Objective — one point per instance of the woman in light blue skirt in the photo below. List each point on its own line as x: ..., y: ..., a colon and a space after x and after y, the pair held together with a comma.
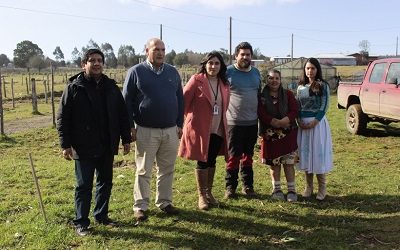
x: 314, y: 135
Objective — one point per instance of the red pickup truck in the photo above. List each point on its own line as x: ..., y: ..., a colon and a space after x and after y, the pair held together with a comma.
x: 376, y: 98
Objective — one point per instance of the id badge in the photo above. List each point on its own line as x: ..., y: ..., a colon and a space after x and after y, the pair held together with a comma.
x: 215, y: 109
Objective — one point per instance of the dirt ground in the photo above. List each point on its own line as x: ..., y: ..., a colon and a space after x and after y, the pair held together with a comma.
x: 21, y: 125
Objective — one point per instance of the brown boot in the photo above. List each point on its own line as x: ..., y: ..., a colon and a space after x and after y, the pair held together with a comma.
x: 309, y: 185
x: 202, y: 180
x: 210, y: 198
x: 321, y: 187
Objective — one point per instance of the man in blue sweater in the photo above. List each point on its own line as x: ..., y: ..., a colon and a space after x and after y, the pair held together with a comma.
x: 154, y: 99
x: 242, y: 121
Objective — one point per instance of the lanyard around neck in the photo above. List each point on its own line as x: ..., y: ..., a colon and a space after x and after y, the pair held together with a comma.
x: 214, y: 93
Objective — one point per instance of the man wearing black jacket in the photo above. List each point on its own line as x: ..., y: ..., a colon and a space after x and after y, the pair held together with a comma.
x: 91, y: 120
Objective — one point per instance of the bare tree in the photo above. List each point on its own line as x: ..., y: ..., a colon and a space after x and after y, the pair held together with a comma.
x: 364, y: 51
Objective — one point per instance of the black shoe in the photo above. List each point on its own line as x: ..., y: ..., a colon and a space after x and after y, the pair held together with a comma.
x: 248, y: 191
x: 108, y: 222
x: 82, y: 230
x: 171, y: 210
x: 230, y: 193
x: 140, y: 215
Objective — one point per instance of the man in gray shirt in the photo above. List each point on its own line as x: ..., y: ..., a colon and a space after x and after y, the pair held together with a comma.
x: 242, y: 120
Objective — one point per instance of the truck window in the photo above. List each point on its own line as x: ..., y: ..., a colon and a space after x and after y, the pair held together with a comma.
x: 393, y: 75
x: 377, y: 73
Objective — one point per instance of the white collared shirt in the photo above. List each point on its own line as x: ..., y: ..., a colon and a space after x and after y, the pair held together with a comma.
x: 159, y: 71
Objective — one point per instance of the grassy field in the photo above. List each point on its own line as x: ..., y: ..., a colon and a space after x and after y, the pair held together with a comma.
x: 362, y: 210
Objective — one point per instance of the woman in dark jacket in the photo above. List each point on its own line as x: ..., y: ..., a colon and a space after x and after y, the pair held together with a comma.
x: 277, y: 111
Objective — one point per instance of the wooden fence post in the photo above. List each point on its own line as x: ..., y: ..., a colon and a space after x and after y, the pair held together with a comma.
x: 27, y: 85
x: 48, y: 82
x: 52, y: 96
x: 45, y: 90
x: 4, y: 87
x: 34, y: 97
x: 12, y: 93
x: 29, y: 77
x: 1, y: 109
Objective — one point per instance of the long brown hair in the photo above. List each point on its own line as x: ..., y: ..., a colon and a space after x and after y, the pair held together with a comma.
x: 222, y: 71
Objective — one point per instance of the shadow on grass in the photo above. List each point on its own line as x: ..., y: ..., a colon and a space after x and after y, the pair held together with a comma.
x: 357, y: 202
x: 382, y: 130
x: 194, y: 229
x: 357, y: 221
x: 4, y: 139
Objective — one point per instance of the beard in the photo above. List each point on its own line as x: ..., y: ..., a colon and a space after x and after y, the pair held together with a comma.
x: 244, y: 64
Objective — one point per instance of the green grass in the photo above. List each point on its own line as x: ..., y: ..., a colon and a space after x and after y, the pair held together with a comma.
x: 361, y: 211
x: 23, y: 109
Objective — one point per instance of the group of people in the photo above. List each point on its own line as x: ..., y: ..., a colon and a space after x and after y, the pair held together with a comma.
x: 221, y: 110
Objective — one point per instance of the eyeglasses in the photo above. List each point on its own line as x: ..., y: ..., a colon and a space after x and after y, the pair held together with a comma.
x: 273, y: 78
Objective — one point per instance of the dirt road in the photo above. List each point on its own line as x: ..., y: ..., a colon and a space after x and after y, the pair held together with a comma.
x: 21, y: 125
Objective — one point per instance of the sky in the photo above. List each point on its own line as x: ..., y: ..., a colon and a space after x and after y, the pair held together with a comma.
x: 316, y: 26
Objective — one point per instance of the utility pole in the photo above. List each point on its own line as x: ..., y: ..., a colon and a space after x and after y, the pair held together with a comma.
x: 160, y: 31
x: 291, y: 50
x: 397, y: 44
x: 291, y: 59
x: 230, y: 40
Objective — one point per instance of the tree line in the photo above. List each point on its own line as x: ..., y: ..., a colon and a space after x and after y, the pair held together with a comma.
x: 29, y: 55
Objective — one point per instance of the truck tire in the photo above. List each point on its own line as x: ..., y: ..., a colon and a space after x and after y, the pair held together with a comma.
x: 356, y: 120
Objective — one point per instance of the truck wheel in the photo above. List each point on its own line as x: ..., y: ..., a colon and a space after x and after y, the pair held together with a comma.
x: 356, y: 120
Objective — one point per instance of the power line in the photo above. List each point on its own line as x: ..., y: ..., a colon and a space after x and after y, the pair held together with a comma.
x: 177, y: 10
x: 315, y: 30
x: 76, y: 16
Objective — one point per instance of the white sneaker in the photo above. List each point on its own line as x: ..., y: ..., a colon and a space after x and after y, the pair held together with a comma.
x: 278, y: 195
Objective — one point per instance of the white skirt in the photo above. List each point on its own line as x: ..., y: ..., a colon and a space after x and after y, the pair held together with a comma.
x: 315, y: 148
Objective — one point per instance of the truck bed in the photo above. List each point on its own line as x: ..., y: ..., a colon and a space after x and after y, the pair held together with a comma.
x: 345, y: 90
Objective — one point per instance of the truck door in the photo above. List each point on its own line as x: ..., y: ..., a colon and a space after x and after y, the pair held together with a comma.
x: 390, y: 93
x: 370, y: 89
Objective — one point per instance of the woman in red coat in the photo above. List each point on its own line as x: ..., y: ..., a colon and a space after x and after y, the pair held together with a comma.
x: 277, y: 112
x: 206, y: 98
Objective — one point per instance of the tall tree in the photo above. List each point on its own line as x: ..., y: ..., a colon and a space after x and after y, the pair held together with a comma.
x: 181, y: 59
x: 91, y: 45
x: 126, y: 56
x: 109, y: 56
x: 37, y: 62
x: 4, y: 61
x: 256, y: 53
x: 59, y: 55
x: 26, y: 50
x: 76, y: 57
x: 169, y: 58
x: 364, y: 51
x: 224, y: 53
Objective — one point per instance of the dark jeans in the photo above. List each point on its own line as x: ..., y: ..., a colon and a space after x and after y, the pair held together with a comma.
x: 241, y: 141
x: 213, y: 149
x: 84, y: 172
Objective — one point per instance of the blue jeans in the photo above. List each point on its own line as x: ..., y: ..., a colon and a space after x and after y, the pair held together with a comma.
x: 84, y: 172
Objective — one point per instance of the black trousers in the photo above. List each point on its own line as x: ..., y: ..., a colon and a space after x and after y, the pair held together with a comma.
x: 84, y: 172
x: 241, y: 143
x: 213, y: 149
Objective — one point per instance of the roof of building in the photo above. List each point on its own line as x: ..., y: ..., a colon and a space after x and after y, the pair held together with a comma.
x: 333, y: 56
